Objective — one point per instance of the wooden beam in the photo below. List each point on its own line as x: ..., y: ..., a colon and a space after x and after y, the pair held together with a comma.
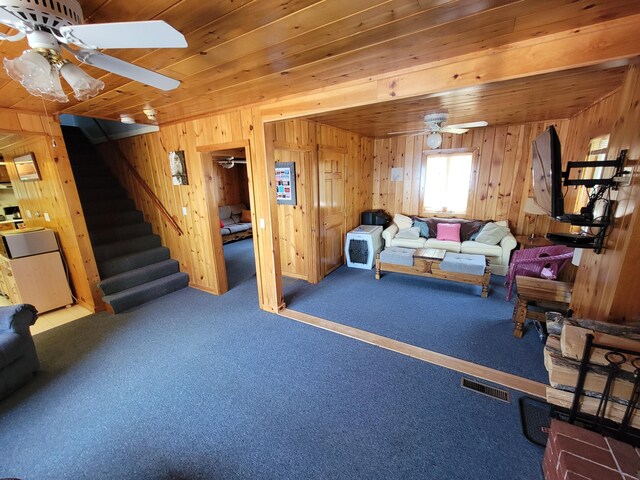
x: 607, y: 42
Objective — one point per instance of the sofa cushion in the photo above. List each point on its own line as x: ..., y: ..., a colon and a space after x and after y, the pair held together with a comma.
x: 402, y: 221
x: 235, y: 217
x: 492, y: 233
x: 225, y: 212
x: 467, y: 227
x: 238, y: 227
x: 398, y: 256
x: 237, y: 209
x: 464, y: 263
x: 447, y: 245
x: 413, y: 232
x: 408, y: 242
x: 448, y: 231
x: 424, y: 228
x: 478, y: 248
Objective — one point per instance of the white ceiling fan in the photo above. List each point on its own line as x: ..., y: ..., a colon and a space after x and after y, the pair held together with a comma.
x: 53, y: 25
x: 230, y: 161
x: 435, y: 125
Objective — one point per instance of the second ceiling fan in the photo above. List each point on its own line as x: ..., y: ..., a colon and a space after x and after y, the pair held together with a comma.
x: 435, y: 125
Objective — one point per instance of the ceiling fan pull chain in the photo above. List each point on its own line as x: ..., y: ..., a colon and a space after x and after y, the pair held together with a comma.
x: 54, y: 144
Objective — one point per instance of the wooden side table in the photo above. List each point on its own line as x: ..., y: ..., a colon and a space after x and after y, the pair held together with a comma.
x: 548, y: 295
x: 525, y: 241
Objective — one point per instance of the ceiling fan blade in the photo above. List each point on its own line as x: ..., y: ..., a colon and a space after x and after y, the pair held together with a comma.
x: 126, y: 69
x: 469, y: 125
x: 10, y: 19
x: 453, y: 130
x: 148, y: 34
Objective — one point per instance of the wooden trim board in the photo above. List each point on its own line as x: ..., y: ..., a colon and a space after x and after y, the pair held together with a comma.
x: 508, y: 380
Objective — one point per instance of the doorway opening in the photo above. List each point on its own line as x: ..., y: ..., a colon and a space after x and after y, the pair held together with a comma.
x: 229, y: 197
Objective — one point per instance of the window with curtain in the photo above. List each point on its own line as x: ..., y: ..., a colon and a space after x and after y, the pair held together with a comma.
x: 446, y: 186
x: 597, y: 151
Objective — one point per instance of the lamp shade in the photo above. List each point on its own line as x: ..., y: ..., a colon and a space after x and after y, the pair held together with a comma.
x: 83, y: 85
x: 434, y: 140
x: 532, y: 208
x: 34, y: 72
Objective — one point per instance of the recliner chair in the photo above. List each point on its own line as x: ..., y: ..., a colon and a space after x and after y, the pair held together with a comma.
x: 18, y: 358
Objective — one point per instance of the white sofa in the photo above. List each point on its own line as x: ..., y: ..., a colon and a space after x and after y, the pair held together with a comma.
x: 498, y: 255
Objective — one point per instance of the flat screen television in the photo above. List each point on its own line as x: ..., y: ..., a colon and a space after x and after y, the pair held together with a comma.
x: 547, y: 172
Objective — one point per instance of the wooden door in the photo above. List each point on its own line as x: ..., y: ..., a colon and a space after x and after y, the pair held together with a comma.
x: 331, y: 161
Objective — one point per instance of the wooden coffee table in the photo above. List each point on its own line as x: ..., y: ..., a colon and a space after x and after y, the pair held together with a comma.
x: 426, y: 263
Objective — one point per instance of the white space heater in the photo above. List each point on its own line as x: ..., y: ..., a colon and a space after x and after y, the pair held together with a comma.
x: 362, y: 245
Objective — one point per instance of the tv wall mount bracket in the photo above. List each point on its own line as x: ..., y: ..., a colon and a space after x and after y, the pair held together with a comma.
x: 621, y: 177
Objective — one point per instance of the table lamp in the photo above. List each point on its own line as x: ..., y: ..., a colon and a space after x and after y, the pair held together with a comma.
x: 532, y: 208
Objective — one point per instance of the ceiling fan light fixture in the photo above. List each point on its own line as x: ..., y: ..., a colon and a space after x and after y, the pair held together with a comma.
x: 55, y: 92
x: 434, y: 140
x: 34, y: 72
x: 84, y: 86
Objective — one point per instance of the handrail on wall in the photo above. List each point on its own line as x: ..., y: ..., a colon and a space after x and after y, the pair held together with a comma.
x: 165, y: 213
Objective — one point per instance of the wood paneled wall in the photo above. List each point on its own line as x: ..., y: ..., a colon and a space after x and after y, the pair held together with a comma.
x: 607, y: 285
x: 57, y: 196
x: 231, y: 185
x: 500, y: 181
x: 299, y: 226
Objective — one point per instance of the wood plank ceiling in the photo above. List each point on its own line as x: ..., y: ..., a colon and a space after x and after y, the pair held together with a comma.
x: 246, y: 51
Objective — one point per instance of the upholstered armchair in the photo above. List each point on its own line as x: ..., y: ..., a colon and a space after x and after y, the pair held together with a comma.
x: 18, y: 358
x: 530, y: 262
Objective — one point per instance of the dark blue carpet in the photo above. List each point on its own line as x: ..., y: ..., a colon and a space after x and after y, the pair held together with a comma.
x: 446, y: 317
x: 195, y: 386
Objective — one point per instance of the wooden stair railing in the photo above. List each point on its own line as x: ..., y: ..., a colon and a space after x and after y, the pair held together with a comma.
x: 165, y: 213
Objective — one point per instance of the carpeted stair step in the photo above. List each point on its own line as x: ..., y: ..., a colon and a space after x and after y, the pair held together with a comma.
x: 86, y: 169
x: 132, y: 278
x: 146, y: 292
x: 105, y: 220
x: 97, y: 194
x: 114, y: 266
x: 125, y: 247
x: 119, y: 232
x: 105, y: 206
x: 96, y: 181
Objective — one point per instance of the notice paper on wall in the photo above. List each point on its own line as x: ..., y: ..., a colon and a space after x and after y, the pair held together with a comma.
x: 286, y: 183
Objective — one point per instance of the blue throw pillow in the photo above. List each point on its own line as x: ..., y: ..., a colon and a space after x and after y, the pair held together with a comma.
x: 473, y: 237
x: 424, y: 228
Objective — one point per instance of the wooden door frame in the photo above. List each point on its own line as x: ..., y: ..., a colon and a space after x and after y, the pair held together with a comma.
x: 211, y: 201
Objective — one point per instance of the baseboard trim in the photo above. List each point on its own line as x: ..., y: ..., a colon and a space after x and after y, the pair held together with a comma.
x: 530, y: 387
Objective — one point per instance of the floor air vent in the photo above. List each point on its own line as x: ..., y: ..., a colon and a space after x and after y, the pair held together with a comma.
x: 485, y: 390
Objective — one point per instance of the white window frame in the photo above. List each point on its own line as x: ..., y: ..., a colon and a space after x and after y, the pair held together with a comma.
x: 451, y: 154
x: 598, y: 147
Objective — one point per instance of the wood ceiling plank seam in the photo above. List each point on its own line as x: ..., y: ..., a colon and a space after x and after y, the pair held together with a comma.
x: 327, y: 51
x: 237, y: 84
x: 208, y: 79
x: 198, y: 35
x: 125, y: 10
x: 567, y: 8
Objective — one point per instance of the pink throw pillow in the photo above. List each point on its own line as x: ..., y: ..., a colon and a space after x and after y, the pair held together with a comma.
x: 448, y: 231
